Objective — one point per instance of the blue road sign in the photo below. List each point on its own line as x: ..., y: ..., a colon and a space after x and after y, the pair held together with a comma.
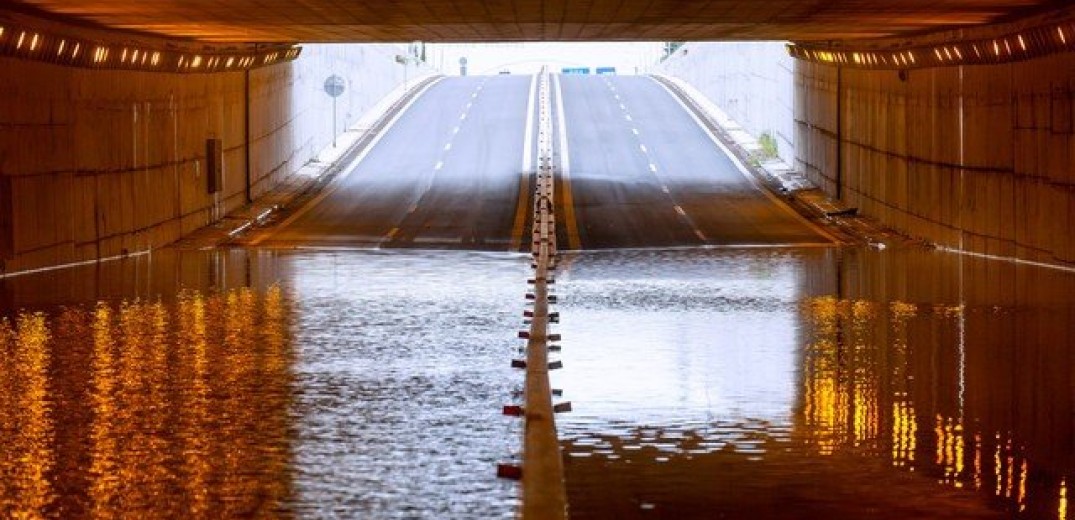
x: 606, y: 70
x: 575, y: 70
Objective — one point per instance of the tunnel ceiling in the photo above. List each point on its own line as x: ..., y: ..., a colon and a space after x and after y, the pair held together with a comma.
x: 503, y: 20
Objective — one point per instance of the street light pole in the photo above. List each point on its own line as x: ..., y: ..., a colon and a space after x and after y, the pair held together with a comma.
x: 404, y: 60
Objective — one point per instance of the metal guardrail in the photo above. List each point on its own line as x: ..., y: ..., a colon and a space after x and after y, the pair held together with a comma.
x: 542, y: 472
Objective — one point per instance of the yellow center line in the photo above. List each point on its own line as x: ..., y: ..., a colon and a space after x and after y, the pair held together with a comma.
x: 520, y: 213
x: 571, y: 225
x: 524, y: 179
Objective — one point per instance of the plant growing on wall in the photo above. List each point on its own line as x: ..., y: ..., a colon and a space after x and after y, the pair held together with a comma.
x: 769, y: 148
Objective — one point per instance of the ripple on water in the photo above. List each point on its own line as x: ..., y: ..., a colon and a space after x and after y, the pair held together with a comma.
x: 404, y: 368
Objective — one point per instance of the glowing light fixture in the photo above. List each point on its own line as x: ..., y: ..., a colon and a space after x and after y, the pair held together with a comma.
x: 1016, y: 46
x: 64, y: 49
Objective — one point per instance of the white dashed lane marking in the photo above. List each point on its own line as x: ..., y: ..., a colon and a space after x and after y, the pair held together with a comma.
x: 643, y: 148
x: 653, y: 167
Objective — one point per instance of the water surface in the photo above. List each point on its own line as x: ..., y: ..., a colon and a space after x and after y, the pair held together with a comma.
x: 815, y: 384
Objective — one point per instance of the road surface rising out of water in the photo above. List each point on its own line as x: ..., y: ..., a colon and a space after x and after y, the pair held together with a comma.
x: 446, y: 175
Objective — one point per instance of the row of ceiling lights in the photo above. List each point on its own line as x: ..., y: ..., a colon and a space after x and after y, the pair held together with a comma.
x: 1030, y: 43
x: 35, y: 45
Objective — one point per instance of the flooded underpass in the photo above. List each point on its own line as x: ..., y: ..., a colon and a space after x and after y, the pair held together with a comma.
x: 817, y: 383
x: 705, y: 383
x: 233, y: 384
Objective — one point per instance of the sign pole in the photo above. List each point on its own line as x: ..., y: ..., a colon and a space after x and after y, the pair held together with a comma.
x: 334, y: 86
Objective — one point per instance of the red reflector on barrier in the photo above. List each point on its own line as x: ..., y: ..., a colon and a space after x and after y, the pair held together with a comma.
x: 509, y: 471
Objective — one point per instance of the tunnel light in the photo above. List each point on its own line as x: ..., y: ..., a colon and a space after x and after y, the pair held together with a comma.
x: 67, y: 50
x: 1016, y: 46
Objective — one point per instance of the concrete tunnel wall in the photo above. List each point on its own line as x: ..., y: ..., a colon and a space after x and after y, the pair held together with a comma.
x: 749, y: 81
x: 980, y: 158
x: 95, y: 163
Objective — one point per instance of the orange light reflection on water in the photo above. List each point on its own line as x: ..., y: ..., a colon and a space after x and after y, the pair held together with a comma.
x: 846, y: 378
x: 184, y: 414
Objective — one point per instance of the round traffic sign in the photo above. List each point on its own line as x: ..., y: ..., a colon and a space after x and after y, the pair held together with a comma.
x: 335, y: 85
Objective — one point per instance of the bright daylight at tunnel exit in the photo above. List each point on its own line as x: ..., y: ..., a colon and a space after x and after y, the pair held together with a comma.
x: 544, y: 260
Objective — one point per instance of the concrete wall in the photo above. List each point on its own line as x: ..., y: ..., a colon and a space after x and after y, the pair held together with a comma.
x: 751, y: 81
x: 94, y: 163
x: 980, y: 158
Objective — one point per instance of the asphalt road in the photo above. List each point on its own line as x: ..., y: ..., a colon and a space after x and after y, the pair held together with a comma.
x: 445, y: 175
x: 642, y: 173
x: 452, y: 173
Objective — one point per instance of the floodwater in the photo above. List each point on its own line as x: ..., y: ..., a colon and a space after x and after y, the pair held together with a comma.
x: 216, y: 385
x: 818, y: 383
x: 730, y: 383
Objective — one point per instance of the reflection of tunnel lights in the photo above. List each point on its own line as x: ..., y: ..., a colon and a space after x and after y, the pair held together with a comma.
x: 1062, y: 506
x: 1020, y: 46
x: 66, y: 50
